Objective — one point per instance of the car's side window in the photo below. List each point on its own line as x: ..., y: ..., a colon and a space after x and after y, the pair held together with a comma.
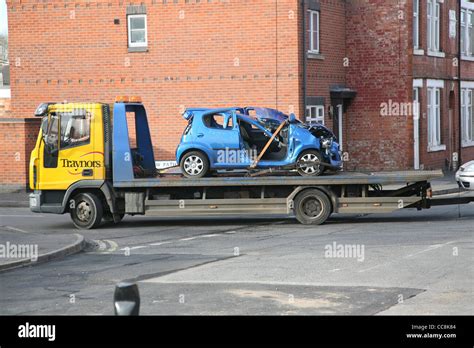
x: 218, y: 121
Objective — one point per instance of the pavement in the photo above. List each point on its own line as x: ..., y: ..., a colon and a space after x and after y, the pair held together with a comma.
x: 19, y: 248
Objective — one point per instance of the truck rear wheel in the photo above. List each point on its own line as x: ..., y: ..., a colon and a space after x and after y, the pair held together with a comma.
x: 312, y: 207
x: 87, y: 211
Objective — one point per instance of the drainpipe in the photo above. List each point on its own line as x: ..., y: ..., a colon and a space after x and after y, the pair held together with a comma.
x: 459, y: 87
x: 303, y: 11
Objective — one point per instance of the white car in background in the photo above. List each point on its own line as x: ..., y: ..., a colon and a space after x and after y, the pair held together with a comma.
x: 465, y: 176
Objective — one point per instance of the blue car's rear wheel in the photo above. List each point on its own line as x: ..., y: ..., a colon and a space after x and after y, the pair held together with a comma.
x: 309, y: 163
x: 194, y: 164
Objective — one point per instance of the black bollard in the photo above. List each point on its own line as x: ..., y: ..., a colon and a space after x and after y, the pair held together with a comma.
x: 126, y: 299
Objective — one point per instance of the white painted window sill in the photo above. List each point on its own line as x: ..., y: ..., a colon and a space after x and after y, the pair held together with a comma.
x: 436, y: 148
x: 315, y: 55
x: 418, y: 52
x: 437, y: 54
x: 467, y: 143
x: 470, y: 58
x: 5, y: 93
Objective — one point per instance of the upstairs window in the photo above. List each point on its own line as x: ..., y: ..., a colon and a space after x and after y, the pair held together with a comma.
x: 434, y: 18
x: 313, y: 31
x: 416, y: 24
x: 137, y: 31
x: 467, y: 33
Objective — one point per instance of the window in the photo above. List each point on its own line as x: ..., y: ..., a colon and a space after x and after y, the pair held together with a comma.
x: 315, y: 114
x: 467, y: 32
x: 433, y: 33
x: 137, y: 31
x: 467, y: 116
x: 416, y: 24
x: 218, y: 121
x: 75, y: 128
x: 313, y: 31
x: 434, y: 115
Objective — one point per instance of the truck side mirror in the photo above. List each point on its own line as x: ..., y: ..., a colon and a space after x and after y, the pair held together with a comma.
x: 126, y: 299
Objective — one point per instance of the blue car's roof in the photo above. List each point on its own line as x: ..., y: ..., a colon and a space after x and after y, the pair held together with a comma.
x: 189, y: 113
x: 267, y: 113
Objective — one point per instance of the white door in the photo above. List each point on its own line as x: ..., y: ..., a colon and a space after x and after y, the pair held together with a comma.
x: 339, y: 121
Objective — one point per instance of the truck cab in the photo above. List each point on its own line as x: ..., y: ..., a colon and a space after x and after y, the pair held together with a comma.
x: 71, y: 164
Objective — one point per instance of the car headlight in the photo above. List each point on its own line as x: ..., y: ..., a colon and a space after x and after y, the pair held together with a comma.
x: 326, y: 143
x: 467, y: 167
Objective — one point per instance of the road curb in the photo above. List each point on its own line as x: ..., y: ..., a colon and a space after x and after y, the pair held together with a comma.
x: 70, y: 249
x: 14, y: 204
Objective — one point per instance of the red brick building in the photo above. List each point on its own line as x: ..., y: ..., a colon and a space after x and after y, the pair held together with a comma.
x: 354, y: 65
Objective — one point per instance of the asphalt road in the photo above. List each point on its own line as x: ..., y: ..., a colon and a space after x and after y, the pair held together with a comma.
x: 406, y: 262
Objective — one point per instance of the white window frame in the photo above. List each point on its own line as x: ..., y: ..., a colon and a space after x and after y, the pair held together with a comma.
x: 467, y: 114
x: 433, y: 13
x: 417, y: 88
x: 416, y: 24
x: 318, y: 112
x: 129, y: 30
x: 434, y: 92
x: 311, y: 30
x: 467, y: 28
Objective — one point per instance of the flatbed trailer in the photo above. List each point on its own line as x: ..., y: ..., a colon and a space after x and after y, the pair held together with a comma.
x: 311, y: 200
x: 108, y: 187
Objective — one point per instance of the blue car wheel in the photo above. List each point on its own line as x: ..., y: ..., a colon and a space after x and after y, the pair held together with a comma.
x: 194, y: 164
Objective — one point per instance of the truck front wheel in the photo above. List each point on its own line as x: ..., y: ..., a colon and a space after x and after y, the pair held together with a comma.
x: 312, y: 207
x: 87, y: 211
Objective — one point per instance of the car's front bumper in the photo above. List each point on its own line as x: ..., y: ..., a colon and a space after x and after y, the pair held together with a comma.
x: 465, y: 180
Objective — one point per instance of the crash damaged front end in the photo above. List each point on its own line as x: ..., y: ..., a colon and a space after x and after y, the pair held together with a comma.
x: 329, y: 146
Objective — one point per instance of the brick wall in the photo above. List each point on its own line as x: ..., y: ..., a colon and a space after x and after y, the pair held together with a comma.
x: 5, y: 108
x: 207, y: 53
x: 18, y: 138
x: 327, y: 69
x: 377, y: 44
x: 218, y: 53
x: 428, y: 67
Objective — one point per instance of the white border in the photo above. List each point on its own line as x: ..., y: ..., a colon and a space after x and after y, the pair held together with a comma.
x: 5, y: 93
x: 434, y: 83
x: 467, y: 84
x: 468, y: 5
x: 417, y: 83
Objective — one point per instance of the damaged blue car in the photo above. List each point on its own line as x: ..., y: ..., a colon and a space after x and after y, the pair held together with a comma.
x: 254, y: 138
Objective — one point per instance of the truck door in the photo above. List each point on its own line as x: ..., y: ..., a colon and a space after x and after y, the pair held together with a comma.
x: 68, y: 153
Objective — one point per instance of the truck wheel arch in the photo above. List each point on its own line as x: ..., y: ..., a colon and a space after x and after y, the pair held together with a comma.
x: 99, y: 187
